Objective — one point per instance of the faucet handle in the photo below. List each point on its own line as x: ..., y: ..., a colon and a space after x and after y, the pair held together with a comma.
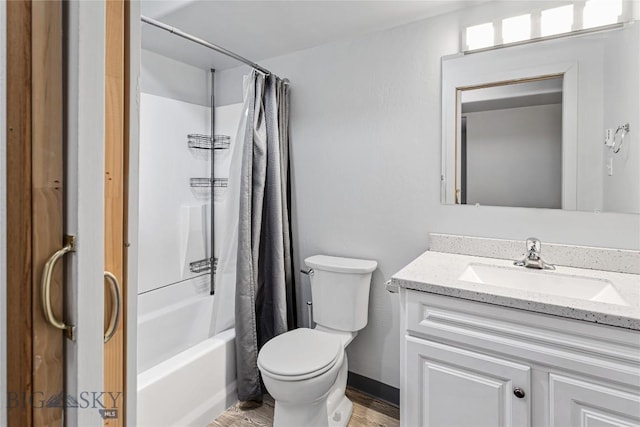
x: 532, y: 258
x: 533, y: 245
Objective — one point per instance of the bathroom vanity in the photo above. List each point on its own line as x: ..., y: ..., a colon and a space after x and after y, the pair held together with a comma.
x: 486, y: 343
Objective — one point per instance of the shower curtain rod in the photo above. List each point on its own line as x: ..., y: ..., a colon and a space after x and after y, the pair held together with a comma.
x: 204, y: 43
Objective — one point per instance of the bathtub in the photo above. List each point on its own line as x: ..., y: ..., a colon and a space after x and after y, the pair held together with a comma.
x: 185, y: 377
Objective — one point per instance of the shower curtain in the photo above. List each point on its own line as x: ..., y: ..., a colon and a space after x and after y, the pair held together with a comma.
x: 225, y: 278
x: 264, y: 295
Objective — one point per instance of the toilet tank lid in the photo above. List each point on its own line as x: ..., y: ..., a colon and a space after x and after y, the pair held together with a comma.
x: 340, y: 265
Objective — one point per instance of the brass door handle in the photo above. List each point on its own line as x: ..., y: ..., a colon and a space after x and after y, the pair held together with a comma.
x: 116, y: 308
x: 45, y: 287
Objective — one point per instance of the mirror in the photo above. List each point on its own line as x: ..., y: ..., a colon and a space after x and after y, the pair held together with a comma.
x: 504, y: 129
x: 525, y: 126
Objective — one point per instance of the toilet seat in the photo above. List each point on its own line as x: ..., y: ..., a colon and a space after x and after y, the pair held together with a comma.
x: 299, y: 354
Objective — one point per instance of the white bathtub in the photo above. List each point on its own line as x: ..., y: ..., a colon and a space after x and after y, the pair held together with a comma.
x: 185, y: 377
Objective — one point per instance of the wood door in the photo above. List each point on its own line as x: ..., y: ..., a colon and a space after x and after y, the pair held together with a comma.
x: 580, y: 403
x: 51, y: 379
x: 449, y: 386
x: 34, y: 210
x: 114, y: 352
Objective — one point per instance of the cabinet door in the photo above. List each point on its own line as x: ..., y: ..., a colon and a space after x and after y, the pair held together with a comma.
x: 452, y: 387
x: 576, y: 403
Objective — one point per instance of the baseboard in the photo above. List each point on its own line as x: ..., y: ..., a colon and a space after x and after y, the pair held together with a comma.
x: 374, y: 388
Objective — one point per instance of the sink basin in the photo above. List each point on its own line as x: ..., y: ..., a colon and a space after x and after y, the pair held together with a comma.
x: 545, y: 282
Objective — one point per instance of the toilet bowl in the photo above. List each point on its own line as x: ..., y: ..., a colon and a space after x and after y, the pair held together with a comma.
x: 305, y: 370
x: 300, y: 369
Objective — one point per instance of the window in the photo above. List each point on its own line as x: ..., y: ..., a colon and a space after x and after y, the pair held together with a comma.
x: 480, y: 36
x: 553, y: 21
x: 556, y: 21
x: 516, y: 29
x: 601, y: 12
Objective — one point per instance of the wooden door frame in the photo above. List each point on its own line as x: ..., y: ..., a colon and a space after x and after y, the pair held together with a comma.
x: 18, y: 172
x: 35, y: 214
x: 129, y: 23
x: 115, y: 197
x: 3, y: 222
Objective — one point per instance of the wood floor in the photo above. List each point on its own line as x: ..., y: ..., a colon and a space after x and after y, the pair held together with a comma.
x: 367, y: 412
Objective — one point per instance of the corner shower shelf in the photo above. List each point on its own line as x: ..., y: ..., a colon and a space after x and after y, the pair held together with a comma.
x: 203, y: 265
x: 204, y: 142
x: 208, y: 182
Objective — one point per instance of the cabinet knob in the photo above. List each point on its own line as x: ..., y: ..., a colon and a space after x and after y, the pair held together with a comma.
x: 518, y: 392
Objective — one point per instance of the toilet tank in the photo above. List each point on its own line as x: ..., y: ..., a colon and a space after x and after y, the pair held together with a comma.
x: 340, y: 291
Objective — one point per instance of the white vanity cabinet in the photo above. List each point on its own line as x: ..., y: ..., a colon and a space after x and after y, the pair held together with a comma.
x: 475, y: 364
x: 579, y: 402
x: 451, y: 386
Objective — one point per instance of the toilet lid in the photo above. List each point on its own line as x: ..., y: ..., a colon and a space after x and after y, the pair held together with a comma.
x: 299, y: 353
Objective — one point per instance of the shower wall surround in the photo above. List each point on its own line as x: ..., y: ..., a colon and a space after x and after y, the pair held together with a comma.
x: 365, y: 150
x: 174, y: 228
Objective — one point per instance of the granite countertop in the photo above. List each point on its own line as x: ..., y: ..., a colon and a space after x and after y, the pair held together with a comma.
x: 439, y: 272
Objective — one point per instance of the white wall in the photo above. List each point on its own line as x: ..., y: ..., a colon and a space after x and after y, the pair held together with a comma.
x: 365, y: 148
x: 173, y: 79
x: 514, y: 157
x: 3, y: 218
x: 621, y: 192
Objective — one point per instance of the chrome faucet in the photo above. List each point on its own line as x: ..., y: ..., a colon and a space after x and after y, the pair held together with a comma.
x: 532, y: 258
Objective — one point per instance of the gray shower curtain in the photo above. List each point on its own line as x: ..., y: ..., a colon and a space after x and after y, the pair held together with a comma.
x: 264, y: 280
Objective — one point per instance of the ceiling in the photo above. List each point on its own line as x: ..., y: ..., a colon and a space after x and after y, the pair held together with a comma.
x: 266, y: 29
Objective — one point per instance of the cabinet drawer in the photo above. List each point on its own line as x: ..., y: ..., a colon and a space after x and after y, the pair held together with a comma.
x: 603, y: 351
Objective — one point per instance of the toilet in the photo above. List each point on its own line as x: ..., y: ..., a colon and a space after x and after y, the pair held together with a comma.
x: 305, y: 370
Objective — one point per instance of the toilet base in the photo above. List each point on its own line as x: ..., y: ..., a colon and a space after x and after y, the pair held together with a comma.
x: 342, y: 415
x: 293, y: 415
x: 339, y: 407
x: 331, y: 410
x: 315, y: 414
